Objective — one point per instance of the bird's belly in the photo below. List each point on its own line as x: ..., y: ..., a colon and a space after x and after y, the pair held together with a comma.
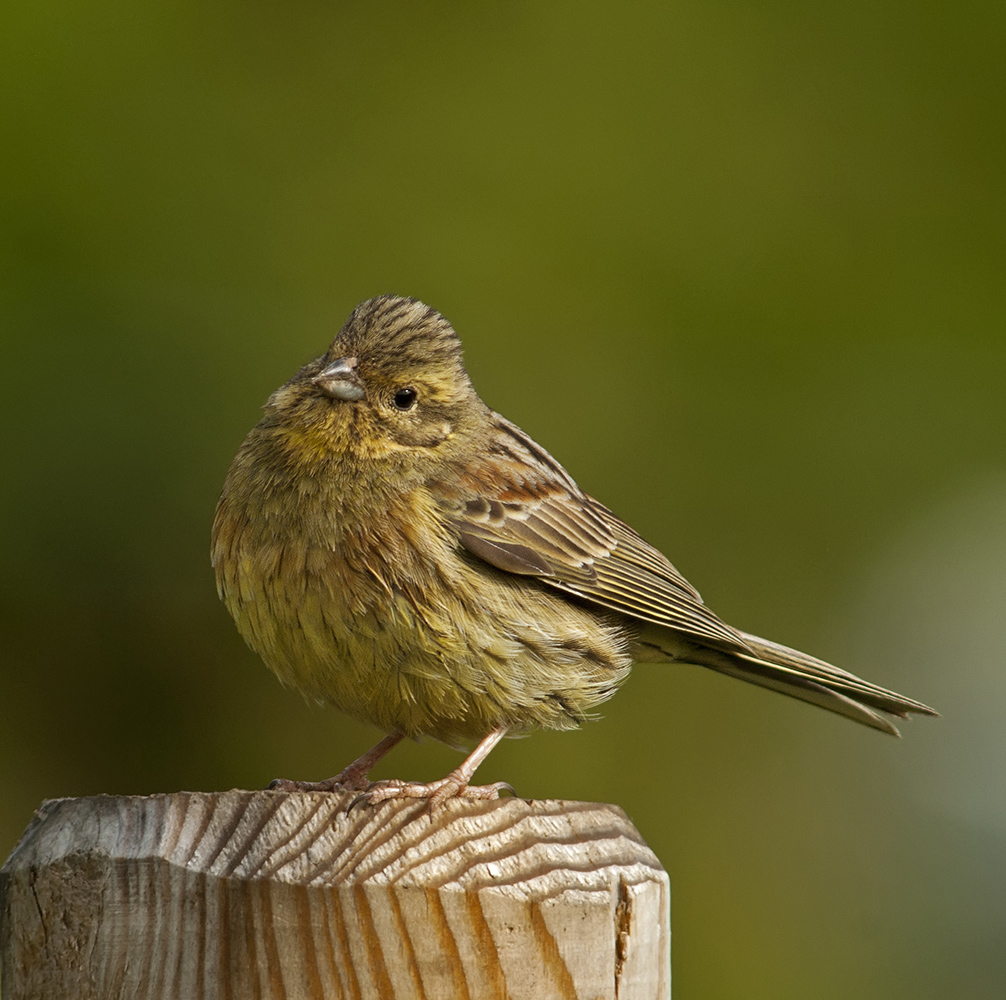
x: 442, y: 665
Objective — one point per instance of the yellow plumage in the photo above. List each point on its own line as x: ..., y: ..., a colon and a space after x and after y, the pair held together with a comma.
x: 392, y: 547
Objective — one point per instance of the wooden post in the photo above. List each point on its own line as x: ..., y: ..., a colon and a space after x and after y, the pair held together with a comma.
x: 273, y: 895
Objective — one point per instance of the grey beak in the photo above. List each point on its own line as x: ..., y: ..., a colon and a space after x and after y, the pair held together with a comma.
x: 340, y: 381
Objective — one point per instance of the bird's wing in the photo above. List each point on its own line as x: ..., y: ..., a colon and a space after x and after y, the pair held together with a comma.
x: 519, y: 511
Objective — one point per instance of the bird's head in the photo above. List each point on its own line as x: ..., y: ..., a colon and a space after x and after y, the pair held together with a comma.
x: 392, y: 383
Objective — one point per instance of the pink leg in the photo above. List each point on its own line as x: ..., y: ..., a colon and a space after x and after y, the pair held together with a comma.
x: 350, y: 778
x: 455, y: 785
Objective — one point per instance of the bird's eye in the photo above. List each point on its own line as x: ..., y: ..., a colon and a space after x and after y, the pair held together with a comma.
x: 405, y: 399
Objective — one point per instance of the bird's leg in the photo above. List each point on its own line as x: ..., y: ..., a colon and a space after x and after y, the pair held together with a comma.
x: 353, y: 777
x: 455, y: 785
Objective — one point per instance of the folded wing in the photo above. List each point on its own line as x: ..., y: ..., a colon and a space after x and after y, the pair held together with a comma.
x: 521, y: 512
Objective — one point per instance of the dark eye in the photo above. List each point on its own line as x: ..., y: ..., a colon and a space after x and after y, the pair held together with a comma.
x: 405, y: 399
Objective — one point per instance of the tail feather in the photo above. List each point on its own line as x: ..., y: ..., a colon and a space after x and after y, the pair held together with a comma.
x: 802, y: 664
x: 799, y: 675
x: 797, y: 687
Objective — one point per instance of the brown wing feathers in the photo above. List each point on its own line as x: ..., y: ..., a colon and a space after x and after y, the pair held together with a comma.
x: 545, y: 526
x: 575, y: 544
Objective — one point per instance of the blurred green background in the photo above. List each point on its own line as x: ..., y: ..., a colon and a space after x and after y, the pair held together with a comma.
x: 739, y: 267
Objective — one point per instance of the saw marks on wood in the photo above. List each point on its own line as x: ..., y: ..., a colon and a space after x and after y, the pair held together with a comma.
x: 274, y: 895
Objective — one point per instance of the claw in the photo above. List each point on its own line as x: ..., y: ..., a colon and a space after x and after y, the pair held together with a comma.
x: 361, y: 799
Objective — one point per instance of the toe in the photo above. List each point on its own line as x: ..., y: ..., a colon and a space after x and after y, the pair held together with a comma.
x: 486, y: 791
x: 342, y: 782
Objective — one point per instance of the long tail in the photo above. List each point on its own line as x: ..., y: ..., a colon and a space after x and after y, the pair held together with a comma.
x: 798, y: 675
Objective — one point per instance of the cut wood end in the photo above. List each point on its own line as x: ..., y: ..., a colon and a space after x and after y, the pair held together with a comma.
x: 290, y: 894
x: 535, y: 847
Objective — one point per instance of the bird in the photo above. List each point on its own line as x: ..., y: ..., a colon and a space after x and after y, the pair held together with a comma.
x: 391, y: 546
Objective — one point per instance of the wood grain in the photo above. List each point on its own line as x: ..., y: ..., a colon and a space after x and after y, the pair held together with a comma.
x: 282, y: 896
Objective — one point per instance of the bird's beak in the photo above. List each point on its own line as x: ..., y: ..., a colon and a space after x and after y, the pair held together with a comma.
x: 340, y: 380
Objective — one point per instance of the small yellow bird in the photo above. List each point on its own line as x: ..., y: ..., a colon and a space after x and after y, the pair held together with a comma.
x: 391, y: 546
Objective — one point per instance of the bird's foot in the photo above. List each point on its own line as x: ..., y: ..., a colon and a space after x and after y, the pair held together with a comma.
x: 348, y: 780
x: 352, y: 778
x: 454, y: 786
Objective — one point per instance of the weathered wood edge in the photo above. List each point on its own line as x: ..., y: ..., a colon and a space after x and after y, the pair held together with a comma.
x: 326, y: 844
x: 577, y: 892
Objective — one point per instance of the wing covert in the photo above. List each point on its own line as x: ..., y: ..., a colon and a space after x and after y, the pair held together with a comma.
x: 519, y: 511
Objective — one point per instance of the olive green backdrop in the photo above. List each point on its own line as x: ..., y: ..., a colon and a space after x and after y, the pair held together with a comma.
x: 738, y: 266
